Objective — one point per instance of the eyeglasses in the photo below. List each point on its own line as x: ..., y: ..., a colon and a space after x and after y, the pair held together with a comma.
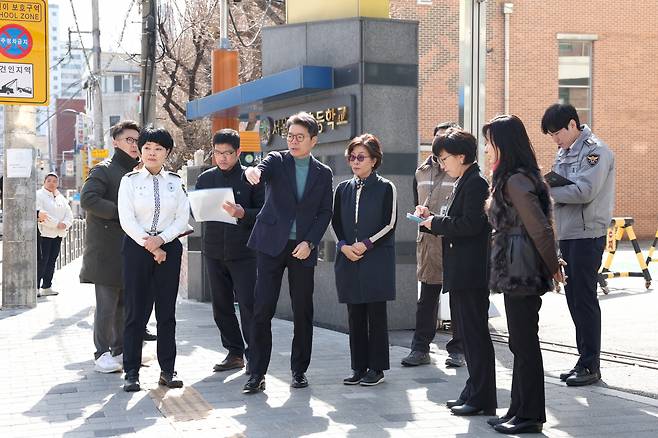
x: 224, y: 153
x: 443, y: 159
x: 358, y: 158
x: 298, y: 137
x: 130, y: 140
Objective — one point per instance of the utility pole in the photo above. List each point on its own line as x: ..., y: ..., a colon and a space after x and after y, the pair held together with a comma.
x: 19, y: 246
x: 147, y: 93
x: 97, y: 97
x: 224, y: 67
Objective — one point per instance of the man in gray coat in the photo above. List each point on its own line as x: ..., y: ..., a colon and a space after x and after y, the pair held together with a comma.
x: 101, y: 261
x: 583, y: 210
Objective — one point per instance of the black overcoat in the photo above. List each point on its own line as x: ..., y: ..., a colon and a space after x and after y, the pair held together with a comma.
x: 466, y: 234
x: 101, y: 259
x: 372, y: 278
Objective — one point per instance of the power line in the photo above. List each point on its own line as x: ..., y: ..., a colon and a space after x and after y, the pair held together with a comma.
x: 82, y: 45
x: 123, y: 30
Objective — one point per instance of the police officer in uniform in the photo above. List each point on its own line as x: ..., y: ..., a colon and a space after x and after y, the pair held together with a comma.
x: 231, y: 265
x: 154, y: 212
x: 583, y: 210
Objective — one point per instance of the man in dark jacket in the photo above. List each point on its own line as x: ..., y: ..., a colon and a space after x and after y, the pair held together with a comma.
x: 231, y: 265
x: 296, y: 214
x: 101, y: 260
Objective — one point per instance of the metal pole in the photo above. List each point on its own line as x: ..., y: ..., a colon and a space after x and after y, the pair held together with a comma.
x: 508, y: 8
x: 224, y: 43
x: 147, y: 93
x: 19, y: 249
x: 97, y: 97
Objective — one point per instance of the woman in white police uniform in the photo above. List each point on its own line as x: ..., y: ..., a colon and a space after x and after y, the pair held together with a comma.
x: 154, y: 211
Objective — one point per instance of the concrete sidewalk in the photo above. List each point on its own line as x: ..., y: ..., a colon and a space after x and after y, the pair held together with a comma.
x: 50, y: 388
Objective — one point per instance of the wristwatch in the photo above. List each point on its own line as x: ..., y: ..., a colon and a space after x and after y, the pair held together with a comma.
x: 310, y: 245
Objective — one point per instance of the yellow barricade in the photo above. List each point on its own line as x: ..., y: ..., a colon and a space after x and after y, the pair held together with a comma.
x: 618, y: 226
x: 652, y: 249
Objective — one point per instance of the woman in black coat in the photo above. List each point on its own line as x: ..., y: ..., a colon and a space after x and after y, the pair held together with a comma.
x: 466, y: 232
x: 524, y: 263
x: 364, y: 223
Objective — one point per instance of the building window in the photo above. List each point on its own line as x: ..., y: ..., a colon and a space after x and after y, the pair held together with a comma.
x: 122, y: 84
x: 114, y: 120
x: 575, y: 76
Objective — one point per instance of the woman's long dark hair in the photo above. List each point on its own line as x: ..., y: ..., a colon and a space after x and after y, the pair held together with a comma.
x: 515, y: 151
x: 515, y: 155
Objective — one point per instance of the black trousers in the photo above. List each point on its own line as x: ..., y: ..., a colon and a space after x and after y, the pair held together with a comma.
x: 368, y: 336
x: 427, y: 310
x: 47, y: 259
x: 583, y: 257
x: 229, y: 280
x: 528, y: 400
x: 268, y: 287
x: 146, y: 282
x: 471, y: 308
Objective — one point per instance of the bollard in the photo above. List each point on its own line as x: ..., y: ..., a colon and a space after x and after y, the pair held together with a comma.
x: 618, y: 226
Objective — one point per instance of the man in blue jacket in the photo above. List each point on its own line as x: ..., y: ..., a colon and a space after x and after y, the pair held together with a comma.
x: 297, y: 211
x: 583, y: 210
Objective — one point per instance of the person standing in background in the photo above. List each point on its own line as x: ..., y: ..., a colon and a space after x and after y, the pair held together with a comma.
x: 58, y: 219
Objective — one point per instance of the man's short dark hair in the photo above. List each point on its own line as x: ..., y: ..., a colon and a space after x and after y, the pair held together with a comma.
x: 117, y: 129
x: 558, y: 116
x: 306, y: 120
x: 228, y: 136
x: 156, y: 135
x: 445, y: 125
x: 456, y: 141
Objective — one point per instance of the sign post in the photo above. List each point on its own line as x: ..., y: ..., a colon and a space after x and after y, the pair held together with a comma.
x: 24, y: 78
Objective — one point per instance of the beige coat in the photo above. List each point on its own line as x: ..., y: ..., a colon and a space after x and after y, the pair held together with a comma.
x: 432, y: 187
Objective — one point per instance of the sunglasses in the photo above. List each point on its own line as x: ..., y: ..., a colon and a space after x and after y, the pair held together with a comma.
x: 358, y: 158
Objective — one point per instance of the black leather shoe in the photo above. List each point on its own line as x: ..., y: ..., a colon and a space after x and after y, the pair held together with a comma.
x: 453, y: 403
x: 574, y: 370
x: 231, y: 362
x: 519, y: 425
x: 170, y: 380
x: 583, y: 377
x: 499, y: 420
x: 465, y: 410
x: 372, y: 378
x: 132, y: 382
x: 355, y: 378
x: 255, y: 384
x: 299, y: 380
x: 148, y: 336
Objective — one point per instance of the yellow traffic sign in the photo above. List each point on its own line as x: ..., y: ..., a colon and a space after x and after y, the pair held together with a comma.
x: 100, y: 154
x: 24, y: 75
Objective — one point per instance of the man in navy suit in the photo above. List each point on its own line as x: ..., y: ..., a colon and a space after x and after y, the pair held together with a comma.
x: 297, y: 211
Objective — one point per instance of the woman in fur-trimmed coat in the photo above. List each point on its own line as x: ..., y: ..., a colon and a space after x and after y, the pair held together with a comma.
x: 524, y: 263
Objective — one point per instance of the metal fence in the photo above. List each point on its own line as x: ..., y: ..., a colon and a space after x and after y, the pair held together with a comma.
x: 73, y: 243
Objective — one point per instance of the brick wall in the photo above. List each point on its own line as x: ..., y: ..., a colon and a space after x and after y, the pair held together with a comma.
x: 625, y: 79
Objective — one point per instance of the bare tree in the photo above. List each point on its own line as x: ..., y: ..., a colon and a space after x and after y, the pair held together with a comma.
x: 188, y: 30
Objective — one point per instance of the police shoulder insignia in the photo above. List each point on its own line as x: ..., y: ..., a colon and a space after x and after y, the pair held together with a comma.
x: 184, y: 189
x: 593, y: 159
x: 134, y: 172
x: 174, y: 174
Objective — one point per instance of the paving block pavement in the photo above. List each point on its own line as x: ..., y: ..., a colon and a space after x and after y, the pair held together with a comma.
x: 51, y: 390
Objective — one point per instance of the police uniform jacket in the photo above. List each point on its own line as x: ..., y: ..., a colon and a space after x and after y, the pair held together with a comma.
x: 432, y: 188
x: 228, y: 241
x: 583, y: 210
x: 466, y: 233
x: 101, y: 260
x: 367, y: 214
x: 153, y: 205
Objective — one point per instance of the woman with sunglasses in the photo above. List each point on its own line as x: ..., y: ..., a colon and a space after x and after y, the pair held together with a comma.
x: 364, y: 220
x: 524, y: 263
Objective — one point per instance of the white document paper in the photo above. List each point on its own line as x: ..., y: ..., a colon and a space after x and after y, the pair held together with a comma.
x: 206, y: 205
x: 19, y: 163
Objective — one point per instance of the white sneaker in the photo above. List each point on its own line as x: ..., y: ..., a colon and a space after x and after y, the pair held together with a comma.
x: 107, y: 364
x: 48, y: 292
